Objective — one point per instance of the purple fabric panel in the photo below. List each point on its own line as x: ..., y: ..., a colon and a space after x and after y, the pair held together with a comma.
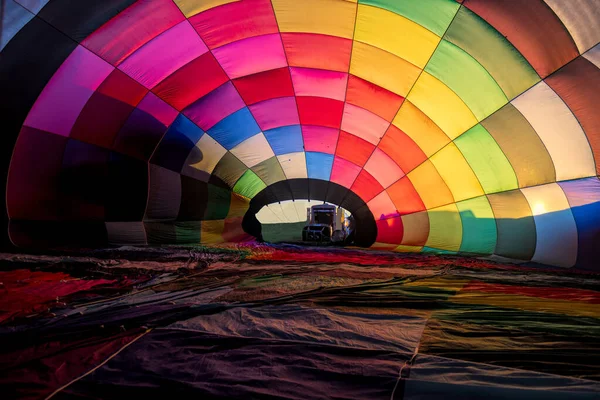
x: 215, y: 106
x: 275, y: 113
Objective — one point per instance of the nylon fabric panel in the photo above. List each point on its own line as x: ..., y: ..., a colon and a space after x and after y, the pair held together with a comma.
x: 320, y: 111
x: 420, y: 128
x: 269, y: 171
x: 249, y: 185
x: 234, y: 129
x: 164, y: 195
x: 319, y: 83
x: 130, y: 233
x: 127, y: 189
x: 211, y: 231
x: 555, y: 226
x: 521, y: 145
x: 286, y: 139
x: 430, y: 186
x: 215, y: 106
x: 320, y: 139
x: 559, y: 130
x: 577, y: 84
x: 132, y: 28
x: 371, y: 97
x: 34, y: 6
x: 434, y: 15
x: 405, y: 197
x: 203, y: 158
x: 363, y: 124
x: 344, y: 172
x: 217, y: 205
x: 366, y: 186
x: 335, y: 18
x: 416, y: 229
x: 253, y: 150
x: 193, y: 7
x: 515, y: 225
x: 501, y: 60
x: 275, y: 113
x: 229, y: 169
x: 390, y: 231
x: 353, y: 148
x: 402, y: 149
x: 383, y: 168
x: 238, y: 207
x: 582, y: 20
x: 235, y: 21
x: 319, y: 165
x: 532, y: 28
x: 593, y: 55
x: 487, y: 160
x: 382, y: 68
x: 14, y: 17
x: 445, y: 228
x: 294, y: 165
x: 479, y: 226
x: 188, y: 232
x: 395, y: 34
x: 265, y: 85
x: 317, y: 51
x: 457, y: 173
x: 467, y: 78
x: 194, y: 199
x: 177, y: 144
x: 163, y: 55
x: 382, y: 208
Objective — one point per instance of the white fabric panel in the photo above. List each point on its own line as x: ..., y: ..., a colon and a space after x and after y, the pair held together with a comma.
x: 559, y: 130
x: 593, y: 55
x: 555, y: 226
x: 294, y: 165
x: 289, y: 211
x: 253, y: 151
x: 267, y: 216
x: 14, y: 17
x: 581, y: 18
x: 203, y: 158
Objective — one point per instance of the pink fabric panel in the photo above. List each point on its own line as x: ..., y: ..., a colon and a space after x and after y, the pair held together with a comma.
x: 132, y: 28
x: 382, y: 206
x: 158, y: 109
x: 215, y: 106
x: 249, y: 56
x: 274, y: 113
x: 364, y: 124
x: 164, y: 54
x: 383, y: 168
x: 319, y: 83
x: 320, y: 138
x: 344, y: 172
x: 67, y: 92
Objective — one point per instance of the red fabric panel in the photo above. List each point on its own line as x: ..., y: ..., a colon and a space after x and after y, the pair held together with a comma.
x: 533, y: 28
x: 265, y: 85
x: 373, y: 98
x: 233, y: 231
x: 34, y: 175
x: 132, y: 28
x: 366, y: 186
x: 405, y: 197
x: 402, y: 149
x: 317, y: 51
x: 390, y: 230
x: 191, y: 82
x: 578, y: 84
x: 107, y: 110
x: 235, y: 21
x: 320, y: 111
x: 354, y: 149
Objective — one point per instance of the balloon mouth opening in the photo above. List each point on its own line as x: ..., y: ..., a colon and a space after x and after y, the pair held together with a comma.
x: 361, y: 220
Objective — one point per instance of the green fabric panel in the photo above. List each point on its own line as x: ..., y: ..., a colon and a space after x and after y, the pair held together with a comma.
x: 500, y: 58
x: 269, y: 171
x: 521, y: 145
x: 160, y: 233
x: 229, y: 169
x: 249, y: 185
x: 479, y: 226
x: 219, y: 199
x: 487, y: 160
x: 434, y: 15
x: 188, y: 232
x: 467, y: 78
x: 516, y: 227
x: 431, y: 250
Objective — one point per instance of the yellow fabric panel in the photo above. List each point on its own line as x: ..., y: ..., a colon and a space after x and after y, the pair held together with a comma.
x: 416, y: 229
x: 382, y: 68
x: 445, y: 228
x: 457, y: 173
x: 238, y: 206
x: 327, y: 17
x: 430, y: 186
x: 211, y: 231
x: 425, y: 133
x: 442, y: 105
x: 193, y: 7
x: 396, y: 34
x: 408, y: 249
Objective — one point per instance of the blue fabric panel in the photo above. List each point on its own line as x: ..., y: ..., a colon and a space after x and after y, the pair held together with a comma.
x: 319, y: 165
x: 177, y: 143
x: 234, y: 129
x: 286, y: 139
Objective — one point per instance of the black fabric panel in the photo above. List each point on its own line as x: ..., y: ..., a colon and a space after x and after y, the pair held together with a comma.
x: 299, y: 188
x: 336, y: 194
x: 365, y: 225
x: 44, y: 234
x: 127, y: 191
x: 317, y: 189
x: 159, y: 233
x: 194, y: 199
x: 79, y: 18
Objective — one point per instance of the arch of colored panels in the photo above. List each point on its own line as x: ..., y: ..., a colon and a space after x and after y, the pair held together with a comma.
x: 466, y: 127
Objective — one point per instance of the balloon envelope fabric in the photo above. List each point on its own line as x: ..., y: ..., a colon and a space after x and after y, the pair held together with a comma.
x: 462, y: 127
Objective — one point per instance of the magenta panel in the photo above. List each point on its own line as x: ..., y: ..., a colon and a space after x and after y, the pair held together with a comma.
x: 364, y: 124
x: 319, y: 83
x: 67, y: 92
x: 344, y: 172
x: 215, y: 106
x: 249, y: 56
x: 275, y: 113
x: 164, y: 54
x: 320, y: 138
x: 158, y: 109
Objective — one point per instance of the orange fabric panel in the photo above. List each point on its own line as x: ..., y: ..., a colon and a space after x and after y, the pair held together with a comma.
x: 402, y: 149
x: 373, y: 98
x: 317, y: 51
x: 405, y: 197
x: 416, y: 229
x: 354, y: 149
